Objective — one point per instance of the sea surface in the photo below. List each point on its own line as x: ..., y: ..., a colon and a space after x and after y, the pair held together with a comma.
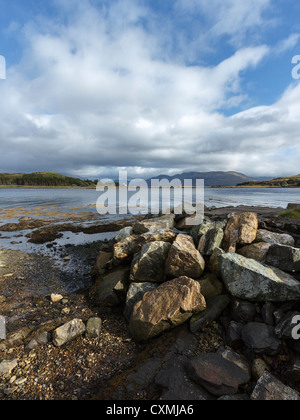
x: 79, y: 206
x: 75, y: 200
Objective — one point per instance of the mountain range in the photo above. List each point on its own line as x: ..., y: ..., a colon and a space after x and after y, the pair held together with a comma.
x: 211, y: 178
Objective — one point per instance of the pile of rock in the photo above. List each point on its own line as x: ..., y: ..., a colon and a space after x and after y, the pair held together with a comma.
x: 227, y: 271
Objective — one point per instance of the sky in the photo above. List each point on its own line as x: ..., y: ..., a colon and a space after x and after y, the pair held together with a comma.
x: 153, y: 87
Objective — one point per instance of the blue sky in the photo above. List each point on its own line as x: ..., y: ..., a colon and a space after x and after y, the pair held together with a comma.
x: 94, y: 86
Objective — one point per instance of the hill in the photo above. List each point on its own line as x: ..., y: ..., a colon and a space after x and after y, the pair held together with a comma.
x: 43, y: 179
x: 210, y: 178
x: 282, y: 182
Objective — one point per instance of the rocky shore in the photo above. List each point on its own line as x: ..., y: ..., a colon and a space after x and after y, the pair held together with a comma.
x: 172, y: 312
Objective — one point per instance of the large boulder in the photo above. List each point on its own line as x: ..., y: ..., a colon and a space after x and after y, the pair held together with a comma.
x: 149, y: 264
x: 199, y: 230
x: 250, y: 280
x: 269, y: 388
x: 135, y: 293
x: 241, y: 229
x: 219, y: 373
x: 260, y: 338
x: 110, y: 290
x: 171, y: 304
x: 211, y: 240
x: 284, y: 257
x: 274, y: 238
x: 184, y: 259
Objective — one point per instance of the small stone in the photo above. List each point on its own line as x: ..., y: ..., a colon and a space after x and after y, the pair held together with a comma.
x: 258, y: 368
x: 234, y: 335
x: 243, y: 311
x: 269, y: 388
x: 68, y: 332
x: 65, y: 311
x: 7, y: 366
x: 55, y: 298
x: 260, y: 338
x: 93, y: 327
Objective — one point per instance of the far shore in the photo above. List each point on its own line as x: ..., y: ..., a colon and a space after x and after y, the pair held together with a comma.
x: 36, y: 187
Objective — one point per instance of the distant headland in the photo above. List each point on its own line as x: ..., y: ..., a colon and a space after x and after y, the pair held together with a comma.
x: 282, y: 182
x: 43, y: 180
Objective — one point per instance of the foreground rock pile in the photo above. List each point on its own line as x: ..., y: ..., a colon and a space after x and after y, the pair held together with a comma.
x: 230, y: 274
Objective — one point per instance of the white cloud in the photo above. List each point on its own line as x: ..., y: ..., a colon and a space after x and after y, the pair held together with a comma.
x: 96, y: 94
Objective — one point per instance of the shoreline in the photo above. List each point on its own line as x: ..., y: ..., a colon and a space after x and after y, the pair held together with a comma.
x: 101, y: 369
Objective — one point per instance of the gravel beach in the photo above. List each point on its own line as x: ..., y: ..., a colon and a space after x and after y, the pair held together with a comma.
x: 109, y: 367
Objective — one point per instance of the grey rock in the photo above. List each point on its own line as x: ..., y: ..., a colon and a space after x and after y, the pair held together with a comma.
x: 178, y: 386
x: 211, y: 240
x: 285, y: 327
x: 292, y: 373
x: 220, y: 374
x: 267, y: 313
x: 124, y: 233
x: 284, y: 257
x: 260, y: 338
x: 211, y: 286
x: 234, y: 335
x: 269, y: 388
x: 151, y: 225
x: 274, y: 238
x: 239, y: 397
x: 93, y: 327
x: 214, y: 264
x: 144, y: 376
x: 214, y: 307
x: 243, y: 311
x: 111, y: 289
x: 250, y: 280
x: 149, y: 264
x: 7, y: 366
x: 68, y: 332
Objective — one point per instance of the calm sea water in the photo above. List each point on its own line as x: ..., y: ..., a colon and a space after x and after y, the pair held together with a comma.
x: 60, y: 204
x: 85, y: 199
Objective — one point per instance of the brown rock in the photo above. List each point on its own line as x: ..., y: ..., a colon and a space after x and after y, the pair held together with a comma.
x: 240, y: 230
x: 220, y: 374
x: 256, y: 252
x: 126, y: 249
x: 171, y: 304
x: 184, y: 259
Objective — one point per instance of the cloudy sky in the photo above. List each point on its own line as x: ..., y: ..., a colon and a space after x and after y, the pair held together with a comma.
x: 95, y: 86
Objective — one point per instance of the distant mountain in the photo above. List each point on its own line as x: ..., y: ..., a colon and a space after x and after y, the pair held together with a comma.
x: 43, y: 179
x: 282, y: 182
x: 210, y: 178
